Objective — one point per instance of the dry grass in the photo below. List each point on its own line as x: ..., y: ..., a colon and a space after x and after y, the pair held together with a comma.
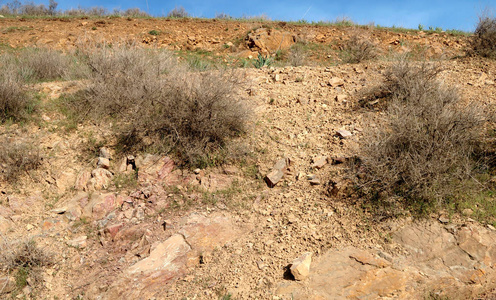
x: 484, y: 39
x: 297, y: 55
x: 22, y: 254
x: 43, y: 64
x: 15, y: 104
x: 178, y: 12
x: 357, y: 49
x: 424, y: 145
x: 17, y: 158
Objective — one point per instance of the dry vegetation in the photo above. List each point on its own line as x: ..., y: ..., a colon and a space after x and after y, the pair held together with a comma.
x: 424, y: 146
x: 357, y: 49
x: 484, y: 39
x: 161, y: 102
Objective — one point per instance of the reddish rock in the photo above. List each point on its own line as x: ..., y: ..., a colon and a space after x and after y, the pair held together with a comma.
x: 112, y: 230
x: 82, y: 180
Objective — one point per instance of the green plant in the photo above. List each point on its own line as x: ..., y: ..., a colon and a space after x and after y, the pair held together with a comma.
x: 420, y: 27
x: 262, y: 61
x: 424, y: 147
x: 154, y: 32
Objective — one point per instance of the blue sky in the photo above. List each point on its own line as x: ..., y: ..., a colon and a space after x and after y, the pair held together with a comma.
x: 455, y: 14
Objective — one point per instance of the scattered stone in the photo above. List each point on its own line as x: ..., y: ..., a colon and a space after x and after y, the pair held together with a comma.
x: 443, y: 220
x: 310, y: 176
x: 101, y: 179
x: 340, y: 98
x: 277, y: 172
x: 315, y: 181
x: 103, y: 163
x: 336, y: 81
x: 261, y: 265
x: 300, y: 268
x: 197, y: 171
x: 104, y: 153
x: 342, y: 133
x: 491, y: 227
x: 319, y: 162
x: 7, y: 285
x: 467, y: 212
x: 79, y: 242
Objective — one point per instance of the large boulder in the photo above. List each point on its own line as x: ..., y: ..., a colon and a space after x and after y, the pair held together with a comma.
x: 269, y: 40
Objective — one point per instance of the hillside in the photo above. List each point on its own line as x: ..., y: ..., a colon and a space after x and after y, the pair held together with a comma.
x: 95, y: 222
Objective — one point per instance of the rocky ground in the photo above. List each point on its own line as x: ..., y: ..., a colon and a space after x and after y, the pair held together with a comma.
x: 280, y: 225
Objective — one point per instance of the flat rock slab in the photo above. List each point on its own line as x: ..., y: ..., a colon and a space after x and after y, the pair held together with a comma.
x: 169, y: 260
x: 457, y: 263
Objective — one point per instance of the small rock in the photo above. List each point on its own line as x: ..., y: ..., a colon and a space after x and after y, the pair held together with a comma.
x: 340, y: 98
x: 274, y: 177
x: 336, y: 81
x: 491, y: 227
x: 310, y: 176
x: 79, y: 242
x: 443, y: 220
x: 467, y: 212
x: 315, y: 181
x: 300, y: 268
x: 261, y: 265
x: 319, y: 162
x: 342, y: 133
x: 8, y: 285
x: 103, y: 163
x: 197, y: 171
x: 104, y: 152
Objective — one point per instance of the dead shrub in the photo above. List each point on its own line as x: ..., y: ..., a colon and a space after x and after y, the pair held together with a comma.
x: 17, y: 158
x: 22, y: 254
x: 484, y: 40
x: 357, y: 49
x: 15, y: 103
x: 43, y: 64
x: 158, y: 101
x: 297, y: 55
x: 178, y: 12
x: 424, y: 145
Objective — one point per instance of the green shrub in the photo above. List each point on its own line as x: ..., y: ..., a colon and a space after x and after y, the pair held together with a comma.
x: 262, y: 61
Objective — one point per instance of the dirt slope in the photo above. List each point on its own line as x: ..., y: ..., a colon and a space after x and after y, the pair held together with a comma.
x: 207, y: 234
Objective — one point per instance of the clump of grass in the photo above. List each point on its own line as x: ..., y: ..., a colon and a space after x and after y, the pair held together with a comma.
x: 17, y: 158
x: 357, y: 49
x: 43, y: 64
x: 484, y: 39
x: 297, y: 55
x: 15, y: 103
x: 154, y: 32
x: 25, y: 259
x: 424, y: 147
